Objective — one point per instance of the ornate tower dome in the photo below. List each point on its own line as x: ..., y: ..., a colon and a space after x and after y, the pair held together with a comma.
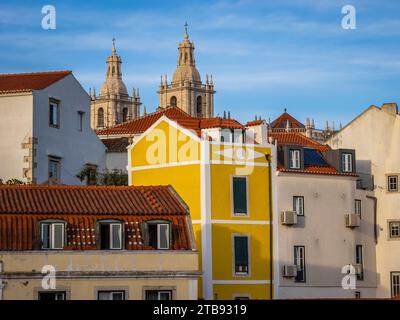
x: 186, y: 91
x: 113, y: 83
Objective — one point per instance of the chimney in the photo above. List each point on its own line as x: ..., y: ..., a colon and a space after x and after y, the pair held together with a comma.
x: 390, y: 108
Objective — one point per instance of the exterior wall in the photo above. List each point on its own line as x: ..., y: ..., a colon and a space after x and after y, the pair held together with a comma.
x: 82, y: 273
x: 75, y: 148
x: 375, y: 135
x: 203, y: 181
x: 329, y: 244
x: 116, y: 160
x: 16, y: 129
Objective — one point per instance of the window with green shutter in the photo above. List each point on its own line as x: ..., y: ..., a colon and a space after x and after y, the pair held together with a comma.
x: 239, y: 195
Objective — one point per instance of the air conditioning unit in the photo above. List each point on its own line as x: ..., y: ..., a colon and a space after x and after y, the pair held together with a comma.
x: 288, y: 218
x: 290, y: 271
x: 352, y: 220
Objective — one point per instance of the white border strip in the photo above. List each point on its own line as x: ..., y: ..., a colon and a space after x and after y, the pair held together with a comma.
x: 256, y: 222
x: 164, y: 165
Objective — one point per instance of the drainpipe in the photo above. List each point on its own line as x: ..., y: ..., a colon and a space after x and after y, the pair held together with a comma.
x: 375, y: 217
x: 271, y: 264
x: 1, y: 281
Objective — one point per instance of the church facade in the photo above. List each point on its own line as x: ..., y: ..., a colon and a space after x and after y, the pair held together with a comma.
x: 113, y: 105
x: 186, y: 90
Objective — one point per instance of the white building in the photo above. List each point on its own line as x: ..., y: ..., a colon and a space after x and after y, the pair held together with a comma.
x: 324, y: 222
x: 375, y: 135
x: 45, y: 128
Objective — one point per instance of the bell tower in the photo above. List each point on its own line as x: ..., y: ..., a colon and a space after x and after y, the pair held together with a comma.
x: 113, y: 105
x: 186, y: 90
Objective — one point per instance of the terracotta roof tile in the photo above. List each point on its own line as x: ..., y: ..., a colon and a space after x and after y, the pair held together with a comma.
x: 255, y: 123
x: 22, y: 208
x: 30, y: 81
x: 139, y: 125
x: 281, y: 121
x: 296, y: 138
x: 317, y: 170
x: 116, y: 144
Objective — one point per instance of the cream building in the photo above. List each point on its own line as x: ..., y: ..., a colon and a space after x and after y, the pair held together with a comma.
x: 374, y: 134
x: 186, y: 90
x: 127, y: 243
x: 113, y: 105
x: 324, y: 221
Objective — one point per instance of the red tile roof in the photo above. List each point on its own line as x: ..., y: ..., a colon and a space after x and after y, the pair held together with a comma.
x: 326, y: 170
x: 255, y: 123
x: 296, y: 138
x: 116, y: 144
x: 30, y: 81
x: 23, y: 207
x: 44, y: 199
x: 141, y: 124
x: 281, y: 121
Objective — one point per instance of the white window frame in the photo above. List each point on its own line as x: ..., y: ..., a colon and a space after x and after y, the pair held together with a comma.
x: 159, y: 237
x: 360, y: 260
x: 52, y: 234
x: 55, y: 105
x: 294, y: 158
x: 347, y: 162
x: 111, y: 235
x: 111, y: 293
x: 391, y: 235
x: 300, y: 260
x: 395, y: 287
x: 357, y: 207
x: 296, y: 203
x: 53, y: 159
x: 81, y: 121
x: 233, y: 213
x: 241, y: 274
x: 394, y: 183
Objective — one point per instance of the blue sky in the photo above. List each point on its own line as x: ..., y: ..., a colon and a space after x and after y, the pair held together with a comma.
x: 264, y: 55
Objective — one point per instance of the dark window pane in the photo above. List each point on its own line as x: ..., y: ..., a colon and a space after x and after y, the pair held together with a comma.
x: 104, y: 236
x: 239, y: 195
x: 116, y: 236
x: 151, y: 295
x: 45, y: 236
x: 152, y: 228
x: 241, y: 254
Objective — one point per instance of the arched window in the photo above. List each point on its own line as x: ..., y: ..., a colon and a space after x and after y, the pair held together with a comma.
x: 199, y: 108
x: 173, y: 101
x: 100, y: 117
x: 124, y: 114
x: 185, y: 57
x: 113, y: 70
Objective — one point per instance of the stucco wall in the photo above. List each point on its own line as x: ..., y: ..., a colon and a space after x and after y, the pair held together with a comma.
x: 15, y: 129
x: 76, y: 148
x: 329, y: 244
x: 375, y: 135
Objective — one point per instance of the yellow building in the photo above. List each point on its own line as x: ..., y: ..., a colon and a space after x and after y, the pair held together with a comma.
x: 225, y: 178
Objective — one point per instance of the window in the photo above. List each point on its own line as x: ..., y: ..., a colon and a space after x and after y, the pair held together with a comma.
x: 360, y: 262
x: 159, y: 235
x: 173, y: 102
x: 124, y: 114
x: 394, y: 229
x: 111, y: 295
x: 392, y: 183
x: 357, y: 207
x: 395, y: 284
x: 347, y: 162
x: 52, y: 295
x: 241, y: 254
x: 357, y: 295
x: 81, y: 120
x: 110, y: 235
x: 239, y: 188
x: 300, y: 262
x: 158, y: 295
x: 241, y: 297
x: 294, y: 159
x: 199, y: 107
x: 54, y: 170
x: 298, y: 205
x: 54, y: 113
x: 100, y: 118
x: 52, y: 235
